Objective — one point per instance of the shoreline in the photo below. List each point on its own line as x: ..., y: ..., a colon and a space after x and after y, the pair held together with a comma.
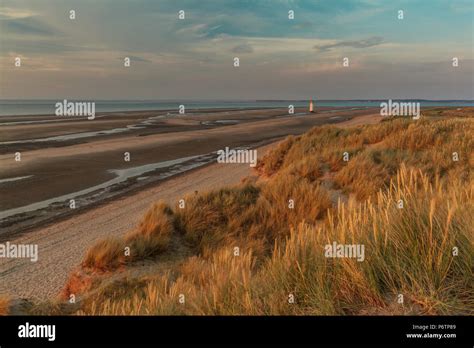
x: 48, y: 173
x: 56, y: 217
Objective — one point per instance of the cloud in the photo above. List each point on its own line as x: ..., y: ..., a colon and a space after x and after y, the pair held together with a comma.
x: 27, y: 26
x: 199, y: 50
x: 365, y: 43
x: 9, y: 13
x: 200, y: 30
x: 243, y: 48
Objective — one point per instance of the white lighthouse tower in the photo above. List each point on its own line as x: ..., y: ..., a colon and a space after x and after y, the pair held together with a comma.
x: 311, y: 106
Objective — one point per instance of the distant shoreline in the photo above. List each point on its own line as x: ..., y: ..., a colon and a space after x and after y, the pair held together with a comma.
x: 27, y: 107
x: 237, y: 100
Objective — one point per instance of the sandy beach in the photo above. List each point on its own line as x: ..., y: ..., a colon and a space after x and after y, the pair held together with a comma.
x: 38, y: 188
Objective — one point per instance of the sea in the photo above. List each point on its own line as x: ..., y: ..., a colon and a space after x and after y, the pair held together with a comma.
x: 47, y: 107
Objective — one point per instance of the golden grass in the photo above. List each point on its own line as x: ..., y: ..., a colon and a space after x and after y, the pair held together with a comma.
x: 376, y: 152
x: 249, y: 216
x: 151, y: 237
x: 409, y: 251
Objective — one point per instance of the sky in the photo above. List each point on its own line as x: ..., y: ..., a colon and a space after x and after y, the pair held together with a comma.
x: 193, y: 58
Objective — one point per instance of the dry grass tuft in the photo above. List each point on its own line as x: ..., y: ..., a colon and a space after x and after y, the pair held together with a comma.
x: 151, y: 238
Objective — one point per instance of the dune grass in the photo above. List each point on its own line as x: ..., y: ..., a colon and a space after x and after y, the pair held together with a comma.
x: 409, y: 251
x: 151, y: 237
x: 422, y: 249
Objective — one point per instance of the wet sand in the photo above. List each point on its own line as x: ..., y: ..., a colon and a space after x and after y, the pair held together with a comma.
x: 73, y: 166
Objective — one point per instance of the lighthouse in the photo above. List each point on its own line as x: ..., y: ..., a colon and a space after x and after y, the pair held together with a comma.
x: 311, y: 106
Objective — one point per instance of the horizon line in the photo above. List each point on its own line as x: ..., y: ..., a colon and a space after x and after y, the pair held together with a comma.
x: 236, y: 100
